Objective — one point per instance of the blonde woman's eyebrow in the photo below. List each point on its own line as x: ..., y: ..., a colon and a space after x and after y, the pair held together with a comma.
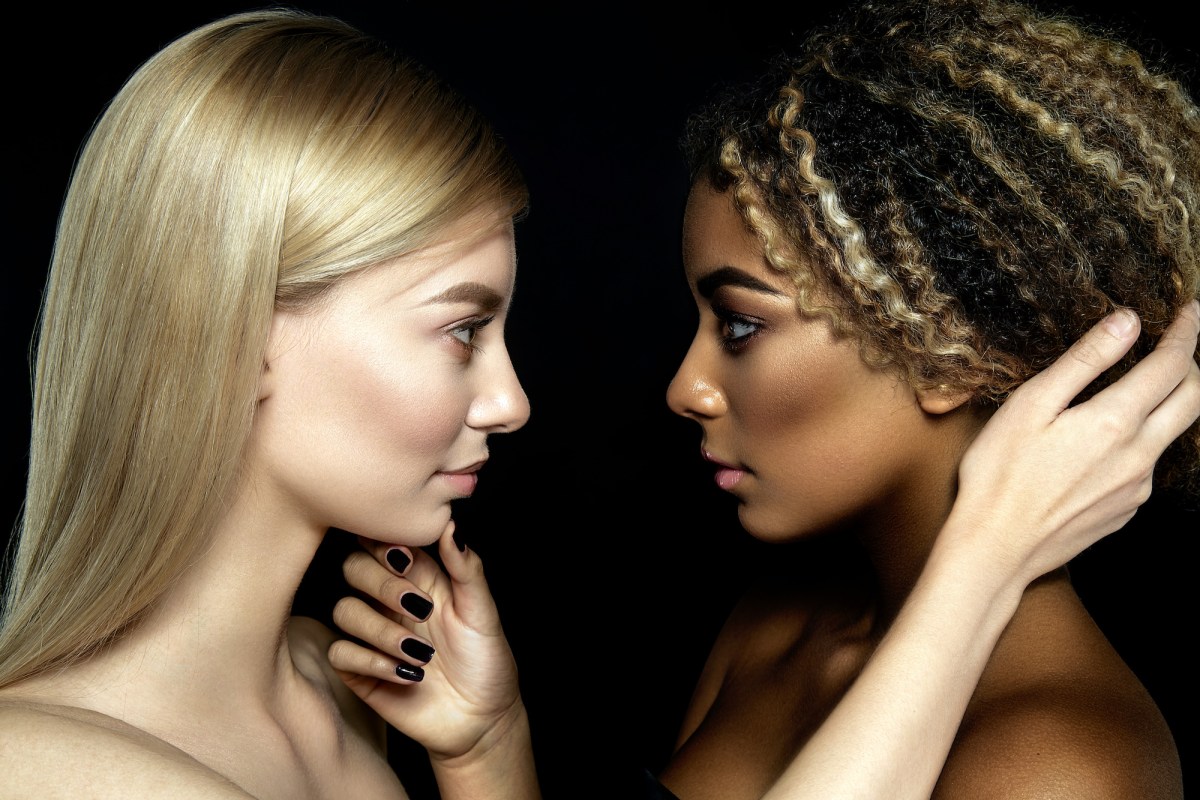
x: 732, y: 276
x: 478, y: 294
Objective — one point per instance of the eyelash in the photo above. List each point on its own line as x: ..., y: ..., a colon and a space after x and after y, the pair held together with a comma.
x: 728, y: 319
x: 472, y: 327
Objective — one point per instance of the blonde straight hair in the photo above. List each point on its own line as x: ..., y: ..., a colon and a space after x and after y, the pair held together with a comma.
x: 247, y: 166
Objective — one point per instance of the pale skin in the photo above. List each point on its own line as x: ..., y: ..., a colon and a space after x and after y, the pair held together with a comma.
x: 220, y: 692
x: 897, y: 693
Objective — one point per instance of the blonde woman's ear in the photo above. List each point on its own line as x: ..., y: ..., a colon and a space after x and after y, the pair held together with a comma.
x: 275, y: 346
x: 264, y: 381
x: 941, y: 399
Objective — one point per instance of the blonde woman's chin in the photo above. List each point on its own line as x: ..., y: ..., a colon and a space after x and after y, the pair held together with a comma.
x: 408, y: 531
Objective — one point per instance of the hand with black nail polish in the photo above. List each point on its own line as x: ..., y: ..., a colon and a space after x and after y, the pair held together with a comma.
x: 428, y: 653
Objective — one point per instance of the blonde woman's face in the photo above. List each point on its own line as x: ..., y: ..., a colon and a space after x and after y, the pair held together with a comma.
x: 378, y: 401
x: 799, y: 428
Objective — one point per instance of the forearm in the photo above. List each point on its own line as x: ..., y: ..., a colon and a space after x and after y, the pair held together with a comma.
x: 890, y: 734
x: 1058, y: 477
x: 501, y: 767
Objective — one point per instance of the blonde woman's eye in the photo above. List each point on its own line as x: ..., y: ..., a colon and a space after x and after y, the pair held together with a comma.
x: 466, y: 332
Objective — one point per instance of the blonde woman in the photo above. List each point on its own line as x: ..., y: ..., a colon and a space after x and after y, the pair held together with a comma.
x: 276, y: 305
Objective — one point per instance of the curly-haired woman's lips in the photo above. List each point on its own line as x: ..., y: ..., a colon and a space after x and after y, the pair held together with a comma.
x: 727, y: 475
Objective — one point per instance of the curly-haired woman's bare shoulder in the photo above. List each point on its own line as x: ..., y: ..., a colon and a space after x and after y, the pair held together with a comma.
x: 1058, y: 714
x: 52, y: 751
x: 1058, y: 747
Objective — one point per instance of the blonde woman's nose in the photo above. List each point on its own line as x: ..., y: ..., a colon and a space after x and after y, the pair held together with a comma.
x: 502, y: 405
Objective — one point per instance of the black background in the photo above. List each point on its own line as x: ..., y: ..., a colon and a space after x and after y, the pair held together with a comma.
x: 611, y: 554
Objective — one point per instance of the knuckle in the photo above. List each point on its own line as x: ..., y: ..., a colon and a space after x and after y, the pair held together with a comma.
x: 340, y: 653
x: 378, y: 665
x: 343, y: 611
x: 1114, y: 424
x: 1088, y: 354
x: 386, y: 587
x: 1144, y: 489
x: 355, y: 566
x: 475, y: 565
x: 385, y: 631
x: 1191, y: 386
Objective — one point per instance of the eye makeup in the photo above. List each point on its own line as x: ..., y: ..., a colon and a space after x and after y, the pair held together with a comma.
x: 735, y: 330
x: 464, y: 333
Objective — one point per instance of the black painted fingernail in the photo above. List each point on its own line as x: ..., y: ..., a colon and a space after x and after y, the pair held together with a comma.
x: 398, y: 559
x: 417, y: 649
x: 409, y: 672
x: 458, y: 542
x: 416, y: 605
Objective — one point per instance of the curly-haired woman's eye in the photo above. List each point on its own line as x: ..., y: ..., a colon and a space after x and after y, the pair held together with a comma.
x: 736, y: 330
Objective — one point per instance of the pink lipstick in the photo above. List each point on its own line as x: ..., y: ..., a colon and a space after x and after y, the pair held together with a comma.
x: 464, y: 481
x: 727, y: 475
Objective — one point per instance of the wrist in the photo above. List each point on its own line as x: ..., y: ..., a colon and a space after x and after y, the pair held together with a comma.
x: 979, y: 562
x: 510, y: 724
x: 499, y: 766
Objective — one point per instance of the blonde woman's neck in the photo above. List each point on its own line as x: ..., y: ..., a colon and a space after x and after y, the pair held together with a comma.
x: 215, y: 647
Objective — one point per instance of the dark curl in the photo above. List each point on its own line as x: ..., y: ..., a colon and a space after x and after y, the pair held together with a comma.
x: 966, y: 187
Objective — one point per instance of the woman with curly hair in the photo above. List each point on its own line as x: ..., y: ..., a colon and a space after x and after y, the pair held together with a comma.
x: 901, y: 223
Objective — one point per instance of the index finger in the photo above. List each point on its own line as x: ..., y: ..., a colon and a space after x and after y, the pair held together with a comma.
x: 1097, y: 350
x: 1151, y: 380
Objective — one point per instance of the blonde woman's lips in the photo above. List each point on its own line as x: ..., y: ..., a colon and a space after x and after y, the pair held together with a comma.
x: 463, y: 481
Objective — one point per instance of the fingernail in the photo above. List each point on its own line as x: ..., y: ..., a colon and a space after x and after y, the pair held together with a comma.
x: 416, y: 605
x: 416, y: 649
x: 398, y: 559
x: 1120, y: 322
x: 458, y: 542
x: 409, y: 672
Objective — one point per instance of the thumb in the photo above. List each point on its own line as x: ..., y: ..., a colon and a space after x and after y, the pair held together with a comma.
x: 472, y: 598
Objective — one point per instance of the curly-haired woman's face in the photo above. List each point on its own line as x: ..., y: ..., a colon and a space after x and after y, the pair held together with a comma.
x: 378, y: 400
x: 802, y: 431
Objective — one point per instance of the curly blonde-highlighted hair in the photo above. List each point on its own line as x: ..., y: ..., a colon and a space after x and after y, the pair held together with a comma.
x: 247, y: 166
x: 966, y: 186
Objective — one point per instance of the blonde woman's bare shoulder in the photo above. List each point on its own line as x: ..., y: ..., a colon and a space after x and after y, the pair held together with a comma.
x: 53, y: 751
